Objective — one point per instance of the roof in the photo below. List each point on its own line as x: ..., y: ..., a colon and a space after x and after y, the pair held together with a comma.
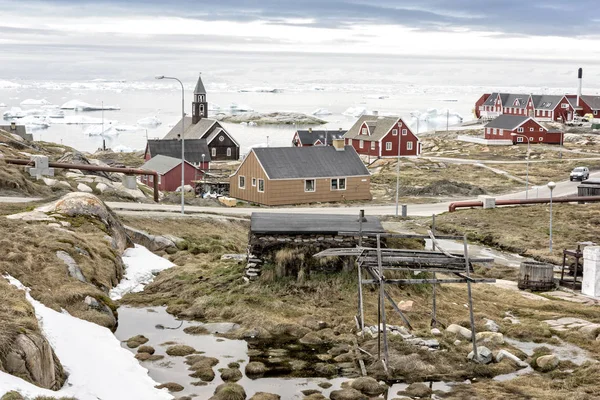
x: 592, y: 101
x: 218, y: 131
x: 192, y: 131
x: 199, y: 86
x: 161, y: 164
x: 19, y: 129
x: 194, y: 149
x: 514, y: 100
x: 378, y: 127
x: 508, y: 122
x: 310, y: 137
x: 331, y: 224
x: 546, y: 102
x: 310, y: 162
x: 491, y: 101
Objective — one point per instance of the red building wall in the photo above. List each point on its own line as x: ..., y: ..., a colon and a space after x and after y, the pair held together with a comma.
x: 531, y: 129
x: 562, y: 114
x: 171, y: 180
x: 479, y: 103
x: 404, y: 140
x: 366, y: 150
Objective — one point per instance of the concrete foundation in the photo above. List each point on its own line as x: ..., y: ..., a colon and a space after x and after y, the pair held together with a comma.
x: 488, y: 201
x: 130, y: 182
x: 590, y: 285
x: 41, y: 167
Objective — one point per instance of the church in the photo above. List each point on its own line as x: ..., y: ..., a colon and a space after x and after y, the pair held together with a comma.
x: 222, y: 146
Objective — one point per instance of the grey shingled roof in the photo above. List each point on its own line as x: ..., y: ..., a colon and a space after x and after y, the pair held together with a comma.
x: 592, y: 101
x: 308, y: 137
x: 508, y: 100
x: 161, y: 164
x: 379, y: 127
x: 491, y: 101
x: 273, y: 223
x: 508, y: 122
x: 192, y: 131
x: 199, y: 86
x: 546, y: 102
x: 194, y: 148
x: 310, y: 162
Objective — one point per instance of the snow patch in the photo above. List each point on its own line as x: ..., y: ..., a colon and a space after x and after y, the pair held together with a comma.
x: 98, y: 367
x: 141, y: 266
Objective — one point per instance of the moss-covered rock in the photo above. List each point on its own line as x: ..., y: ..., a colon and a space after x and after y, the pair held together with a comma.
x: 231, y: 374
x: 255, y: 368
x: 171, y: 386
x: 136, y: 341
x: 180, y: 350
x: 229, y: 391
x: 146, y: 349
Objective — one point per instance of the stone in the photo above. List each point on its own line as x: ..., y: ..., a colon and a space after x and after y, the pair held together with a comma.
x: 231, y: 374
x: 368, y: 386
x: 31, y: 357
x: 265, y: 396
x: 311, y: 338
x: 436, y: 332
x: 491, y: 337
x: 459, y: 330
x: 457, y: 342
x: 151, y: 242
x: 99, y: 306
x: 484, y: 355
x: 255, y: 368
x: 491, y: 326
x: 50, y: 181
x: 235, y: 257
x: 180, y: 350
x: 73, y: 268
x: 547, y: 363
x: 171, y: 387
x: 82, y: 187
x: 326, y: 370
x: 347, y: 394
x: 231, y: 391
x: 418, y: 390
x: 314, y: 323
x: 406, y: 306
x: 102, y: 187
x: 344, y: 358
x: 590, y: 330
x: 502, y: 354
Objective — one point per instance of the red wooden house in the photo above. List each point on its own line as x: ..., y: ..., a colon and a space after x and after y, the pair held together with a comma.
x: 310, y: 137
x: 380, y: 136
x: 169, y: 173
x: 542, y: 107
x: 504, y: 126
x: 196, y: 151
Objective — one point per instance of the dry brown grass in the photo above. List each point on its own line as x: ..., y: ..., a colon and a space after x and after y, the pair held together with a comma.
x: 542, y: 173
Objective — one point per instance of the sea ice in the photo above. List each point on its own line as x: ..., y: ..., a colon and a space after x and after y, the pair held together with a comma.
x: 8, y: 85
x: 261, y: 90
x: 81, y: 120
x: 79, y: 105
x: 149, y: 122
x: 2, y: 105
x: 438, y: 115
x: 321, y: 111
x: 99, y: 130
x: 355, y: 111
x: 34, y: 102
x: 122, y: 149
x: 98, y: 367
x: 141, y: 266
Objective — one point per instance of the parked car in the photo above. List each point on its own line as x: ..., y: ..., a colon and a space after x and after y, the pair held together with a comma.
x: 576, y: 121
x: 579, y: 174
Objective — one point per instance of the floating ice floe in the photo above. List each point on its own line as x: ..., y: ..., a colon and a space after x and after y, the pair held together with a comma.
x: 149, y: 122
x: 97, y: 365
x: 79, y: 105
x: 122, y: 149
x: 18, y: 112
x: 2, y: 105
x: 34, y: 102
x: 355, y: 111
x: 127, y: 128
x: 377, y: 96
x: 8, y: 85
x: 141, y: 265
x: 321, y: 111
x: 81, y: 120
x: 99, y: 130
x: 261, y: 90
x: 35, y: 122
x: 438, y: 115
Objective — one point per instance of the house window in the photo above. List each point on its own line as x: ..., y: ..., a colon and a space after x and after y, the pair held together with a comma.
x: 531, y: 129
x: 261, y: 185
x: 361, y: 143
x: 242, y: 182
x: 541, y: 129
x: 350, y: 142
x: 253, y: 182
x: 501, y: 132
x: 394, y: 132
x: 531, y: 139
x: 519, y: 139
x: 364, y: 131
x: 159, y: 179
x: 388, y: 146
x: 213, y: 151
x: 404, y: 132
x: 338, y: 184
x: 409, y: 145
x: 229, y: 152
x: 372, y: 145
x: 564, y: 105
x: 495, y: 131
x: 541, y: 139
x: 309, y: 185
x: 520, y: 130
x: 595, y: 112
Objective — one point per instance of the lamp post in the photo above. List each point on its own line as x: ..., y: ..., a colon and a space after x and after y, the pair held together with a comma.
x: 527, y: 176
x: 551, y: 186
x: 182, y: 138
x: 398, y: 167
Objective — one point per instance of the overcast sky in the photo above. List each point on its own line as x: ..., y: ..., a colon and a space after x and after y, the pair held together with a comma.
x: 131, y: 38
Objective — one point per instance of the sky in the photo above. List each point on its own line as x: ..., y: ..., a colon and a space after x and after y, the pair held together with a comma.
x: 130, y: 39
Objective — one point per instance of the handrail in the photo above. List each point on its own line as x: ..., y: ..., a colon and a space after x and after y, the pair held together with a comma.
x: 512, y: 202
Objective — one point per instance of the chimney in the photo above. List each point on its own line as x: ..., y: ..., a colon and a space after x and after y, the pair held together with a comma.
x: 338, y: 144
x: 580, y: 77
x: 310, y: 130
x: 340, y: 129
x: 375, y: 112
x: 13, y: 126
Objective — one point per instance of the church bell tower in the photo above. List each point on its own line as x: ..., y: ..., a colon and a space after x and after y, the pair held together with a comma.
x: 199, y: 105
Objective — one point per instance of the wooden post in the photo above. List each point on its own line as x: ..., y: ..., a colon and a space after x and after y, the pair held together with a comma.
x: 473, y: 339
x: 359, y: 269
x: 434, y: 304
x: 382, y: 302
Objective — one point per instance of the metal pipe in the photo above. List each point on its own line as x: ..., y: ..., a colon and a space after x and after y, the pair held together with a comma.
x: 465, y: 204
x: 89, y: 167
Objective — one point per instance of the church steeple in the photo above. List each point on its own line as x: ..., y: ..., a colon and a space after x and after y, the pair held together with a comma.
x: 199, y: 105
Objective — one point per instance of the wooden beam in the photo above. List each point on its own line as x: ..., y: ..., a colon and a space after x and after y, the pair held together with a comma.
x: 398, y: 235
x: 429, y: 281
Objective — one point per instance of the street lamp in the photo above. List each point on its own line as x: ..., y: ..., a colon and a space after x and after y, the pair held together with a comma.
x: 182, y: 138
x: 398, y: 167
x: 551, y: 186
x: 527, y: 177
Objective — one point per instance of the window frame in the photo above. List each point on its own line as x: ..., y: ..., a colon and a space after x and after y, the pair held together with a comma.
x: 338, y: 184
x: 520, y: 130
x: 213, y: 151
x: 541, y: 139
x: 364, y: 131
x: 261, y: 181
x: 388, y: 146
x: 404, y: 132
x: 240, y: 179
x: 409, y: 146
x: 314, y: 185
x: 394, y: 132
x: 229, y: 152
x: 361, y: 144
x: 519, y: 139
x: 253, y: 182
x: 373, y: 146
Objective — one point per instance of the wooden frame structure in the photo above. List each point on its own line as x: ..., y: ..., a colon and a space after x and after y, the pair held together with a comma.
x: 375, y: 261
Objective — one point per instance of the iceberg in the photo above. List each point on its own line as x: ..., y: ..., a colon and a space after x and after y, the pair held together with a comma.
x: 122, y: 149
x: 127, y: 128
x: 79, y: 105
x: 438, y: 115
x: 8, y: 85
x: 321, y: 111
x: 34, y: 102
x: 98, y: 130
x: 149, y: 122
x: 2, y: 105
x: 355, y: 112
x: 91, y: 355
x: 82, y: 120
x: 35, y: 122
x: 261, y: 90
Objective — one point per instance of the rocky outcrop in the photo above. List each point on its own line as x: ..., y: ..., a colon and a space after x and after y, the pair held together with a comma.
x: 151, y: 242
x: 32, y: 358
x: 274, y: 118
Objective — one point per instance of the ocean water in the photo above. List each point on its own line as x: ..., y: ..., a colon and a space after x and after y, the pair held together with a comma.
x: 389, y: 85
